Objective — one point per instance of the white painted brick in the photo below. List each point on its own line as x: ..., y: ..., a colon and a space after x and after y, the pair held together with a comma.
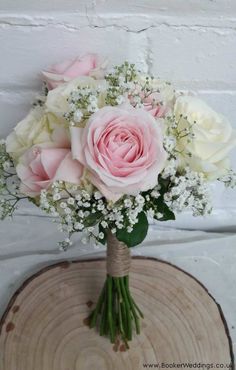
x: 180, y: 54
x: 221, y: 9
x: 186, y: 41
x: 36, y: 48
x: 193, y: 54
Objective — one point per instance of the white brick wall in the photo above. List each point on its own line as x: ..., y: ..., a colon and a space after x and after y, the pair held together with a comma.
x: 192, y: 43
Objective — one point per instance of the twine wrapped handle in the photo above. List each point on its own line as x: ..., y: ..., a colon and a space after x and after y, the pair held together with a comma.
x: 118, y: 257
x: 116, y: 307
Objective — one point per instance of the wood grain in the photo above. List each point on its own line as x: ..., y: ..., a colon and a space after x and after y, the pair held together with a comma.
x: 44, y: 327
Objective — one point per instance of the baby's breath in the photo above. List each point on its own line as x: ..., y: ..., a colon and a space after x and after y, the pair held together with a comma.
x: 9, y: 184
x: 229, y: 179
x: 189, y: 190
x: 82, y: 102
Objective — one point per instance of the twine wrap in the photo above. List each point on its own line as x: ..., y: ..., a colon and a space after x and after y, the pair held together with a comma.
x: 118, y: 257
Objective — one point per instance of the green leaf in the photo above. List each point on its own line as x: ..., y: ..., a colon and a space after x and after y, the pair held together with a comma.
x: 137, y: 235
x: 164, y: 209
x: 164, y: 183
x: 92, y: 219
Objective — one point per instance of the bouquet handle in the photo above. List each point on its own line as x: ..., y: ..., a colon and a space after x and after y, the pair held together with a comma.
x: 116, y: 312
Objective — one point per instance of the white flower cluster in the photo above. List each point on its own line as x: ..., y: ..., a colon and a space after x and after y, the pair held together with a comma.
x: 189, y: 191
x: 121, y: 83
x: 126, y: 83
x: 229, y: 179
x: 78, y: 210
x: 170, y: 169
x: 9, y: 184
x: 83, y: 101
x: 177, y: 136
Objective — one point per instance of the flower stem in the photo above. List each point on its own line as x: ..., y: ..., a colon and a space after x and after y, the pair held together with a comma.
x: 98, y: 307
x: 116, y: 311
x: 109, y: 306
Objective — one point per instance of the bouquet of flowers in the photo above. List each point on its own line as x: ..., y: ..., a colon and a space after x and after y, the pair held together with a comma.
x: 106, y: 151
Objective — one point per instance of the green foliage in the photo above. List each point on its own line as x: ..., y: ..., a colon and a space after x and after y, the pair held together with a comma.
x: 93, y: 219
x: 164, y: 185
x: 138, y: 233
x: 167, y: 214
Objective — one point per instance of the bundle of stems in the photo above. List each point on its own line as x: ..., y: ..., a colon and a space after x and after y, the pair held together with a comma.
x: 116, y: 312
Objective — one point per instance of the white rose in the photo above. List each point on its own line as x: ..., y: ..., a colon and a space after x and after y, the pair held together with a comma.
x: 213, y: 137
x: 36, y: 128
x: 56, y: 101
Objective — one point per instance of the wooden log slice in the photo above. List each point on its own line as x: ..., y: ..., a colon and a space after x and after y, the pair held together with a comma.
x: 44, y: 327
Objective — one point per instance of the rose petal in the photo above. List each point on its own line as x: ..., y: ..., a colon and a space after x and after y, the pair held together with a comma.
x: 77, y: 143
x: 51, y: 159
x: 70, y: 170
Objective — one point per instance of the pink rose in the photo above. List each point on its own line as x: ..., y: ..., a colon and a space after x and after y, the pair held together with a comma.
x: 39, y: 167
x: 153, y: 106
x: 151, y: 103
x: 122, y: 148
x: 72, y: 68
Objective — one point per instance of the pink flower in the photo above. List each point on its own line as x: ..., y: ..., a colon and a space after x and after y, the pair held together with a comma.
x: 158, y: 102
x: 122, y: 148
x: 72, y: 68
x: 153, y: 106
x: 39, y: 167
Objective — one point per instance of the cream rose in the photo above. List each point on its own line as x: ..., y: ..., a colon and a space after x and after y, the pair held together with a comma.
x: 36, y: 128
x: 57, y: 98
x: 213, y: 137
